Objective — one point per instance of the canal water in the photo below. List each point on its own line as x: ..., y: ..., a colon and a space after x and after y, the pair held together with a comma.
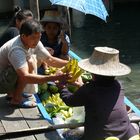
x: 122, y: 31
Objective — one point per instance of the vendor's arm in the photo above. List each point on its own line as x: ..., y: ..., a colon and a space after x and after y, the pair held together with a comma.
x: 56, y: 62
x: 18, y: 60
x: 74, y: 99
x: 43, y: 54
x: 35, y: 78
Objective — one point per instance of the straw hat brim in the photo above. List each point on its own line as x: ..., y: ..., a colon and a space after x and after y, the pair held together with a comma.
x: 51, y: 19
x: 101, y: 69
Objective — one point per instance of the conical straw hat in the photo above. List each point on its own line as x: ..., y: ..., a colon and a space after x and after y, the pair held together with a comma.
x: 104, y: 61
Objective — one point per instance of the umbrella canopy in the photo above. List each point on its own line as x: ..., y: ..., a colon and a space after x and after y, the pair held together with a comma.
x: 94, y: 7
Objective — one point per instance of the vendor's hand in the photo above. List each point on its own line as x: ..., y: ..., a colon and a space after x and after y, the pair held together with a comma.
x: 78, y: 82
x: 62, y: 80
x: 58, y: 72
x: 60, y: 85
x: 63, y: 77
x: 50, y: 50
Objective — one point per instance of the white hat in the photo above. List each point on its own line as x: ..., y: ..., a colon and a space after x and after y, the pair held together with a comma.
x: 104, y: 61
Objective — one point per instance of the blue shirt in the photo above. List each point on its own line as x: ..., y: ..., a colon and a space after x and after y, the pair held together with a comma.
x: 57, y: 46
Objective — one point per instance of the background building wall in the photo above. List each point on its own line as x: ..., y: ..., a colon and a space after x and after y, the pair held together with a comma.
x: 6, y: 5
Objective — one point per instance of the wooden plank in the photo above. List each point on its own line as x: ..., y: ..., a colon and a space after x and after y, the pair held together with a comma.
x: 2, y: 130
x: 12, y: 119
x: 34, y: 120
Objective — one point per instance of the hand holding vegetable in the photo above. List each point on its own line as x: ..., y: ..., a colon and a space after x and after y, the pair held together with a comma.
x: 72, y: 68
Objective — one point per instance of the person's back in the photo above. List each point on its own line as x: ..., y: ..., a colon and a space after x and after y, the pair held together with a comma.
x: 106, y: 112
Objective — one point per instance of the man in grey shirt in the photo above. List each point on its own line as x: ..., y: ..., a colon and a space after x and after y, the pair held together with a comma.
x: 18, y: 62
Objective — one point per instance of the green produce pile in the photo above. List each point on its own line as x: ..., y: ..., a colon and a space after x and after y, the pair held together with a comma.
x: 50, y: 98
x: 50, y: 70
x: 112, y: 138
x: 49, y: 92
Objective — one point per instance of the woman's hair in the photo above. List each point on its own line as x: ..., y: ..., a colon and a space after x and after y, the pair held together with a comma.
x: 30, y: 26
x: 20, y: 15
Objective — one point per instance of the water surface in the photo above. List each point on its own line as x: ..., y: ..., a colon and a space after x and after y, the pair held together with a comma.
x: 122, y: 32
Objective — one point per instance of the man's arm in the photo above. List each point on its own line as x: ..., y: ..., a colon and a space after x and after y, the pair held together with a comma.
x: 44, y: 55
x: 56, y: 62
x: 77, y: 98
x: 33, y: 78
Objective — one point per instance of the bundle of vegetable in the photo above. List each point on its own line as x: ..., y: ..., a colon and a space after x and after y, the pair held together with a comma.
x: 42, y: 88
x: 86, y: 76
x: 54, y: 105
x: 46, y: 89
x: 49, y: 95
x: 50, y: 98
x: 73, y: 68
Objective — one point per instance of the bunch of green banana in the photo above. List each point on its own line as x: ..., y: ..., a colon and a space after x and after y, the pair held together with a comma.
x: 54, y: 105
x: 72, y: 68
x: 86, y: 76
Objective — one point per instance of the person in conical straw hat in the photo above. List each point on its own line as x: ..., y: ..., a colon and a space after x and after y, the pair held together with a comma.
x: 102, y: 97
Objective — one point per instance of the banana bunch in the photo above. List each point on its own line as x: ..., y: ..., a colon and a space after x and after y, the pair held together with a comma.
x: 54, y: 105
x: 50, y: 70
x: 66, y: 113
x: 72, y: 68
x: 56, y: 100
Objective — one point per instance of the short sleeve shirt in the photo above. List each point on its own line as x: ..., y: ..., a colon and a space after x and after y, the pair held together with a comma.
x: 14, y: 53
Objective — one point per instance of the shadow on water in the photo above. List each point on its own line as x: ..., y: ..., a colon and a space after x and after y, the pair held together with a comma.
x: 122, y: 31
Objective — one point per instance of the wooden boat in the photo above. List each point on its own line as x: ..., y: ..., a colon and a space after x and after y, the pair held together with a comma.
x: 135, y: 117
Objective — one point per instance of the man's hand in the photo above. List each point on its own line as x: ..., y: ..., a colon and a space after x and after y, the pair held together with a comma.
x: 63, y: 79
x: 50, y: 50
